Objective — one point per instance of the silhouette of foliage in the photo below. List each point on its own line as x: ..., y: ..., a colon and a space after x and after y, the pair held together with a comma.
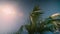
x: 39, y: 25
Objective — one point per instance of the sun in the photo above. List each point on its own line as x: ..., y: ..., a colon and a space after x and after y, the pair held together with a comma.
x: 8, y: 9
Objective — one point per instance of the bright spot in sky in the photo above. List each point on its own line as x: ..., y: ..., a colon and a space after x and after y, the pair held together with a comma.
x: 8, y: 11
x: 8, y: 17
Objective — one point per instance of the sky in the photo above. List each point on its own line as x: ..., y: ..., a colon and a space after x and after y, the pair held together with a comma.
x: 49, y: 7
x: 11, y: 17
x: 11, y: 21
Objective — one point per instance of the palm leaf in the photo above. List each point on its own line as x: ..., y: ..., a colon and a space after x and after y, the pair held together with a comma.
x: 20, y: 30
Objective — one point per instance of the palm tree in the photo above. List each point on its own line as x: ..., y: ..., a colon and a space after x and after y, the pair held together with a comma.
x: 56, y: 18
x: 34, y: 18
x: 39, y: 25
x: 49, y: 24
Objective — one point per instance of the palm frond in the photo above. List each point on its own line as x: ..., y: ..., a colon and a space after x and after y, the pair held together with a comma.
x: 20, y: 30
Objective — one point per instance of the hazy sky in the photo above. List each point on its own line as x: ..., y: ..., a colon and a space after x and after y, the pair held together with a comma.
x: 26, y: 6
x: 11, y: 17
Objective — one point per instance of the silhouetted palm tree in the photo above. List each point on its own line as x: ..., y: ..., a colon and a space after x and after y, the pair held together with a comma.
x: 34, y: 18
x: 39, y: 25
x: 49, y: 24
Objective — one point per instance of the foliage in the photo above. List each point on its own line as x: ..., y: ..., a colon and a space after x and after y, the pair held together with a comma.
x: 48, y: 25
x: 34, y: 17
x: 39, y: 25
x: 20, y: 30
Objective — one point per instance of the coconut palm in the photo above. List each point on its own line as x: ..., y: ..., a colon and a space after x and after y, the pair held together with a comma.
x: 49, y: 24
x: 56, y: 17
x: 39, y: 25
x: 34, y: 18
